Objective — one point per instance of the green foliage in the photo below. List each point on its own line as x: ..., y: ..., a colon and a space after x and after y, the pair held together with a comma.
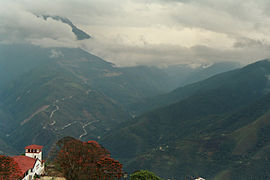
x: 144, y: 175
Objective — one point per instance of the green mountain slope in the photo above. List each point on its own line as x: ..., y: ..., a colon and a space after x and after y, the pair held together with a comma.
x: 201, y: 134
x: 48, y: 93
x: 122, y: 84
x: 126, y: 85
x: 54, y: 92
x: 6, y: 149
x: 16, y: 60
x: 227, y: 152
x: 50, y: 102
x: 251, y: 79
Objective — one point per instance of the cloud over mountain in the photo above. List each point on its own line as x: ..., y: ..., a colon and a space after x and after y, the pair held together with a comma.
x: 146, y: 32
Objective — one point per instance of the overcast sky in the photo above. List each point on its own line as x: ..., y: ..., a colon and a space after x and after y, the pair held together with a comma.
x: 151, y: 32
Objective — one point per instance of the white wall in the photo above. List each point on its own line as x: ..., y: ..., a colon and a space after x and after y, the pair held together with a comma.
x: 38, y: 169
x: 34, y: 155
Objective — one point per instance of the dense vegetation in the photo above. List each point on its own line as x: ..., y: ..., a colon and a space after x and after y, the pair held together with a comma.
x: 9, y: 169
x: 86, y: 160
x: 144, y: 175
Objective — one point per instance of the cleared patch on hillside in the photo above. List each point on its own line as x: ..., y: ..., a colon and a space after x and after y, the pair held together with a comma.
x: 43, y: 108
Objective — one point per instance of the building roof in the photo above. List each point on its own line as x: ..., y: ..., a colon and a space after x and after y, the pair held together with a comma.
x: 25, y: 163
x: 34, y: 147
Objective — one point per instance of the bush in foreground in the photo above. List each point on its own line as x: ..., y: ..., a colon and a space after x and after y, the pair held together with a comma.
x: 144, y: 175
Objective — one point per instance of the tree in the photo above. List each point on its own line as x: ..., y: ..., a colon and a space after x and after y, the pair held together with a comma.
x: 86, y: 160
x: 9, y: 169
x: 110, y: 168
x: 144, y: 175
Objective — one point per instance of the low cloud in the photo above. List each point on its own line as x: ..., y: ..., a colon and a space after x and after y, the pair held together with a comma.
x: 166, y: 54
x: 20, y: 26
x: 251, y: 43
x: 150, y: 32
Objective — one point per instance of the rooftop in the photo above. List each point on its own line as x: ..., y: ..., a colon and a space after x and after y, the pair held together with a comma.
x: 25, y: 163
x: 34, y: 147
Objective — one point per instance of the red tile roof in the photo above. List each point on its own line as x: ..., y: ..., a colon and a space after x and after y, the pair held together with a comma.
x: 25, y: 163
x: 34, y: 147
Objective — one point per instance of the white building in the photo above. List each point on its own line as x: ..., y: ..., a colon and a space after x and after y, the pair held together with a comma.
x: 31, y: 164
x: 199, y: 178
x: 34, y: 151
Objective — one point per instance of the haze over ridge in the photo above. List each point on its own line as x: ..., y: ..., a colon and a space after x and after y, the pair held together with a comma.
x: 145, y: 32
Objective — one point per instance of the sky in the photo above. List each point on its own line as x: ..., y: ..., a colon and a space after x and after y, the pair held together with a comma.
x: 146, y: 32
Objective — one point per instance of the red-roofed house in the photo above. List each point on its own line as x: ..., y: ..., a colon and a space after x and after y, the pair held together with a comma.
x: 34, y: 151
x: 31, y: 163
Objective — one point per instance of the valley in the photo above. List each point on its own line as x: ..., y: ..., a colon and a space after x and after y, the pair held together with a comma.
x: 139, y: 90
x: 137, y: 114
x: 214, y: 132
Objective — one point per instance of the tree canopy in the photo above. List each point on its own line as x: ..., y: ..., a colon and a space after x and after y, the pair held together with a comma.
x: 9, y: 169
x: 144, y: 175
x: 87, y: 160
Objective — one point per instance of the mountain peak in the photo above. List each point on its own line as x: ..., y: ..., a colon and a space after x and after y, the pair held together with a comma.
x: 80, y: 34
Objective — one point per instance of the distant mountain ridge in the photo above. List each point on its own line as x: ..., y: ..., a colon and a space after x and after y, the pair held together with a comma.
x: 67, y: 91
x: 208, y: 132
x: 189, y: 83
x: 21, y: 58
x: 48, y: 93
